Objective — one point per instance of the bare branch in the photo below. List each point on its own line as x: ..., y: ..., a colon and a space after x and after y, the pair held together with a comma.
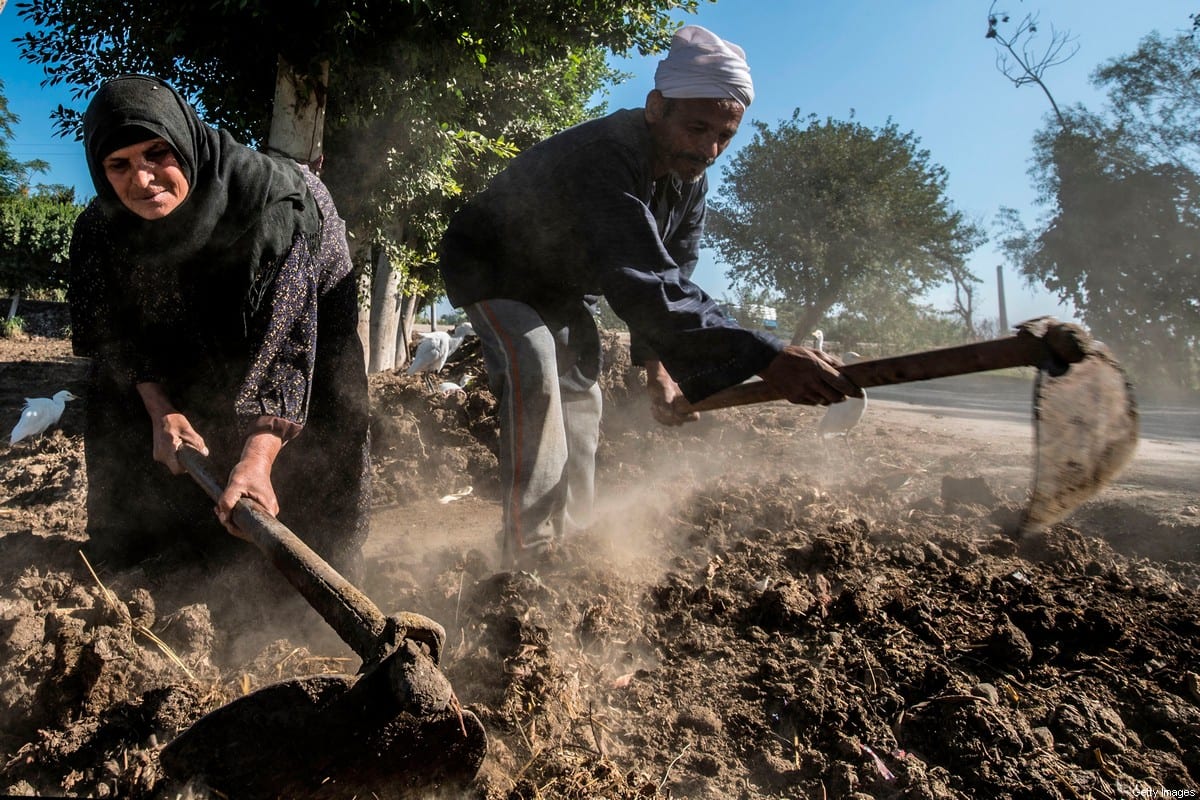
x: 1021, y: 61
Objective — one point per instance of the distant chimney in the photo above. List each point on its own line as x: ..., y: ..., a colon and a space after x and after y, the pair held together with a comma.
x: 1000, y: 293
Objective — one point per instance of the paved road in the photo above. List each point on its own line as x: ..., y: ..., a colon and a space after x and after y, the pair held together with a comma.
x: 1009, y: 398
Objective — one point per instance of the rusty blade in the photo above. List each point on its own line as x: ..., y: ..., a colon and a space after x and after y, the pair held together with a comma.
x: 326, y: 737
x: 1086, y: 421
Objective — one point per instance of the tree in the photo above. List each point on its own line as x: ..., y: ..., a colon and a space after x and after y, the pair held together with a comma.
x: 887, y: 324
x: 1119, y: 243
x: 1123, y: 200
x: 226, y: 54
x: 1019, y: 61
x: 965, y: 285
x: 14, y: 175
x: 831, y: 212
x: 35, y: 231
x: 1154, y: 98
x: 35, y: 234
x: 414, y: 82
x: 402, y: 202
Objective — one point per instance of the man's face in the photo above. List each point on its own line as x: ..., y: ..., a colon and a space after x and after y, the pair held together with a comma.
x: 147, y: 178
x: 689, y: 134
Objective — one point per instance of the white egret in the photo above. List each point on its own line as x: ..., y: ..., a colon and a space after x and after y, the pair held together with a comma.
x: 435, y: 347
x: 39, y: 414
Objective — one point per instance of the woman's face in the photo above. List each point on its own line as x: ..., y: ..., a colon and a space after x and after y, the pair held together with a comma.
x: 147, y: 178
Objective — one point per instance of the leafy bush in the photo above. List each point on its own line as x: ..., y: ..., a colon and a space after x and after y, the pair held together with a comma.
x: 12, y: 328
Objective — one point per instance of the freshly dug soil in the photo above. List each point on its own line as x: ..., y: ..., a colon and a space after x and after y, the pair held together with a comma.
x: 758, y: 614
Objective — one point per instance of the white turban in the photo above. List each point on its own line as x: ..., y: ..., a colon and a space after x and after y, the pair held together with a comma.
x: 703, y: 65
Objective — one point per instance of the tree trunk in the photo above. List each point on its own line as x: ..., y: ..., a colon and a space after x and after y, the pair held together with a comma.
x: 807, y: 324
x: 364, y: 315
x: 408, y: 317
x: 298, y: 116
x: 385, y: 314
x: 297, y: 131
x: 16, y: 298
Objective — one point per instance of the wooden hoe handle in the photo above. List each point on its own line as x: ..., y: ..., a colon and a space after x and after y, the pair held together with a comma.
x: 1043, y: 343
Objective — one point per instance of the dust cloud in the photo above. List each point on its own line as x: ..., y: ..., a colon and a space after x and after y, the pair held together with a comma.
x: 753, y: 617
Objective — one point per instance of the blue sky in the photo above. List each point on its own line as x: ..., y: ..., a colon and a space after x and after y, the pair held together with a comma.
x: 924, y: 64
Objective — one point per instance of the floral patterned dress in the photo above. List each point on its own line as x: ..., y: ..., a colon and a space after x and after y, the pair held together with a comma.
x: 283, y: 353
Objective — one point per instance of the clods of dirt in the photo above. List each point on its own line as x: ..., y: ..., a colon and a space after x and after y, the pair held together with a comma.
x: 750, y: 618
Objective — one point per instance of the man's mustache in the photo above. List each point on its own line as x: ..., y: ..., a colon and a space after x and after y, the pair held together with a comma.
x: 697, y: 159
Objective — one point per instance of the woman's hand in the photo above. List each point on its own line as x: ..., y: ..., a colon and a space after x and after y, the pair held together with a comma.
x: 171, y: 428
x: 251, y: 478
x: 663, y: 391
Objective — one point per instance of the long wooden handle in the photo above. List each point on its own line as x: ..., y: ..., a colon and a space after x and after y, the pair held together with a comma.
x: 1032, y: 347
x: 357, y: 620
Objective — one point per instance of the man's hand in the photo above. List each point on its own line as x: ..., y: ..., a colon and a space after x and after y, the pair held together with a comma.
x: 663, y: 392
x: 808, y: 376
x: 171, y: 429
x: 251, y: 478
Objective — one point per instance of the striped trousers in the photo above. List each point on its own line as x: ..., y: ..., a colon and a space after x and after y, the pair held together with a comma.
x: 544, y: 374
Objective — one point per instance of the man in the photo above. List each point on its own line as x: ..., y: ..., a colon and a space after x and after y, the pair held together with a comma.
x: 616, y: 207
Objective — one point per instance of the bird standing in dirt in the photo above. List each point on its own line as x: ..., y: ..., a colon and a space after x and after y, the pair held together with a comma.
x: 39, y: 414
x: 840, y: 418
x: 435, y: 347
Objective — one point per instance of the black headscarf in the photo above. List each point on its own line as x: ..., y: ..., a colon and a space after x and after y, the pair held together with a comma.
x: 243, y: 208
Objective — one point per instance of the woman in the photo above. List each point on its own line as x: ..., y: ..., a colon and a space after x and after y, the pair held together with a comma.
x: 211, y: 286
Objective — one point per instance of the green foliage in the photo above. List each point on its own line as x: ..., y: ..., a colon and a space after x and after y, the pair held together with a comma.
x: 404, y: 196
x: 1155, y: 100
x: 35, y: 234
x: 222, y: 53
x: 11, y: 327
x: 891, y: 326
x: 426, y: 99
x: 881, y: 323
x: 829, y: 213
x: 455, y: 317
x: 56, y: 192
x: 1123, y: 194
